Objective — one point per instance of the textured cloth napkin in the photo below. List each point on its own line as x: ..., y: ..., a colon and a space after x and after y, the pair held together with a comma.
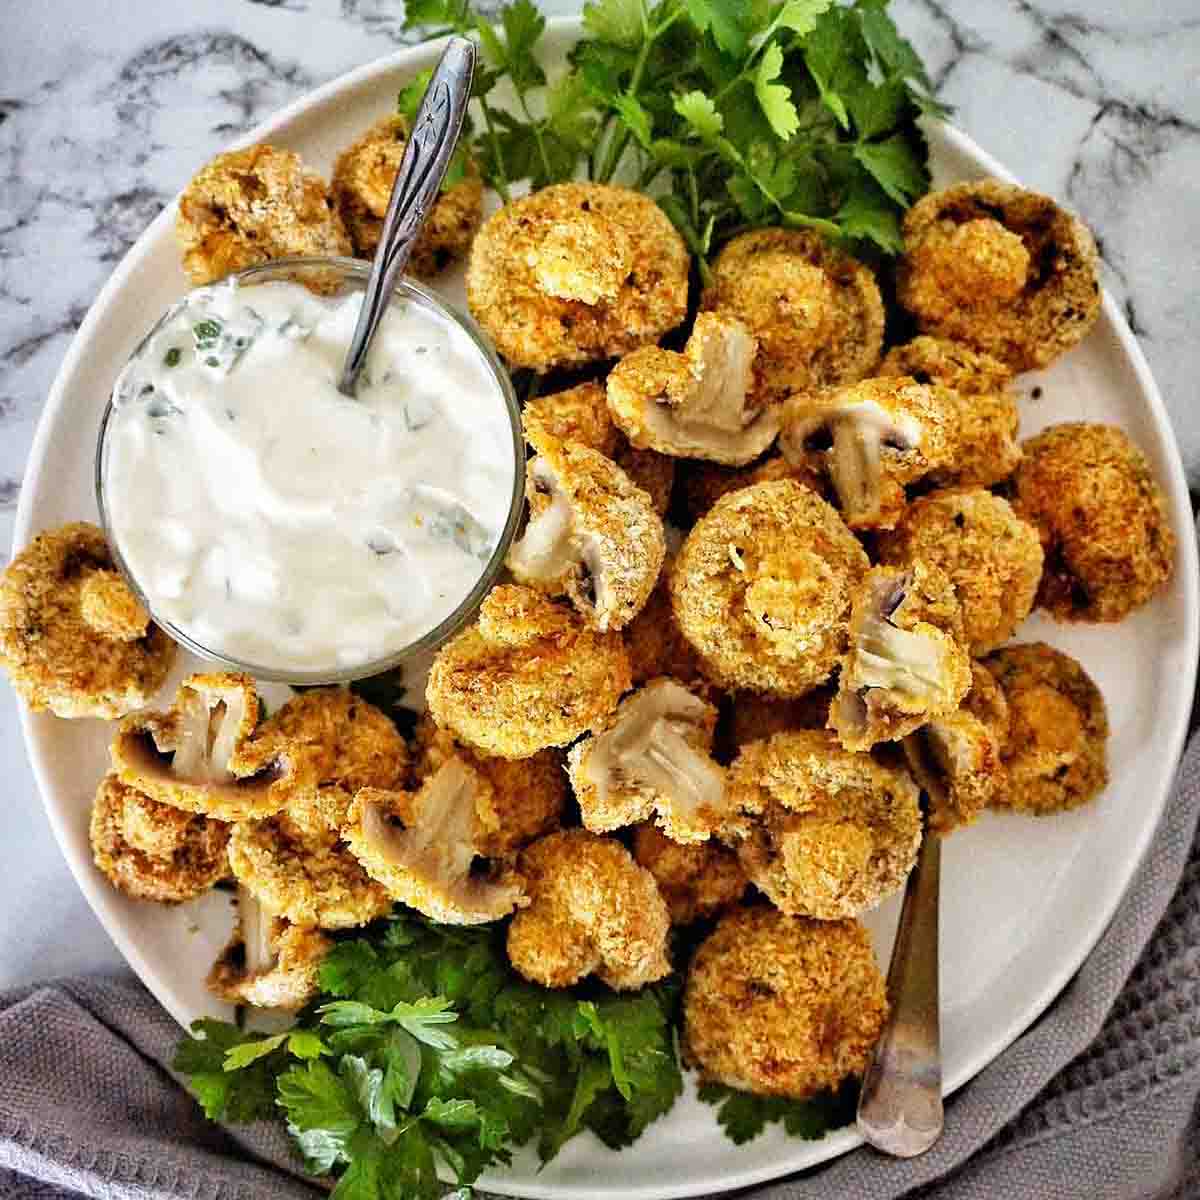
x: 1096, y: 1099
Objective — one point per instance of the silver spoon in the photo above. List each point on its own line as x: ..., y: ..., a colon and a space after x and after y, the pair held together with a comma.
x: 900, y: 1105
x: 423, y: 165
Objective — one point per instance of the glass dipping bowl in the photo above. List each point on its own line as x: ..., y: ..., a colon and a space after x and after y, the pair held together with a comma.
x: 333, y: 277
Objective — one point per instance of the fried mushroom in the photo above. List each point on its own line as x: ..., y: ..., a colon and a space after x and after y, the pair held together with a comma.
x: 577, y: 273
x: 579, y: 414
x: 1003, y: 269
x: 704, y: 483
x: 754, y: 717
x: 73, y: 638
x: 761, y: 588
x: 782, y: 1005
x: 1102, y: 520
x: 695, y: 880
x: 592, y: 910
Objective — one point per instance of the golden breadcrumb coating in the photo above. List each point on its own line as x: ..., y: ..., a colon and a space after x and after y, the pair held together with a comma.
x: 696, y: 880
x: 304, y: 874
x: 871, y: 439
x: 336, y: 743
x: 655, y: 645
x: 705, y: 483
x: 65, y: 641
x: 250, y: 206
x: 579, y: 414
x: 151, y: 851
x: 1102, y: 519
x: 576, y: 273
x: 592, y: 910
x: 986, y: 449
x: 591, y: 535
x: 654, y: 473
x: 526, y: 676
x: 761, y: 588
x: 1001, y: 268
x: 993, y: 558
x: 698, y: 404
x: 528, y: 793
x: 652, y: 758
x: 906, y: 663
x: 816, y: 312
x: 752, y: 717
x: 985, y: 701
x: 782, y: 1006
x: 820, y: 830
x: 1056, y: 757
x: 363, y: 177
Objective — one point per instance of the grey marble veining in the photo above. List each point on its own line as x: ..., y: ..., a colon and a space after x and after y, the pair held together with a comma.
x: 107, y: 109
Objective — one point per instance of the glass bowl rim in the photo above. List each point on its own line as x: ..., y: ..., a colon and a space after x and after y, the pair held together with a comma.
x: 358, y: 271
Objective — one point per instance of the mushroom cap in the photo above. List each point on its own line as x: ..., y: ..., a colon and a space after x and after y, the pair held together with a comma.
x: 526, y: 676
x: 579, y: 414
x: 780, y: 1005
x: 992, y: 556
x: 50, y: 643
x: 761, y: 588
x: 249, y: 206
x: 1102, y: 519
x: 1001, y: 268
x: 151, y: 851
x: 592, y: 910
x: 816, y: 312
x: 1056, y: 754
x: 109, y: 607
x: 535, y: 264
x: 652, y: 758
x: 695, y: 880
x: 821, y: 831
x: 363, y: 177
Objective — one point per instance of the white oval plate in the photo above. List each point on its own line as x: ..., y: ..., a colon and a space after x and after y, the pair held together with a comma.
x: 1023, y: 900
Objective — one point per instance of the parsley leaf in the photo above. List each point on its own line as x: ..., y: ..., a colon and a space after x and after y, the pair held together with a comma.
x: 896, y: 167
x: 744, y: 1116
x: 775, y: 98
x: 619, y: 22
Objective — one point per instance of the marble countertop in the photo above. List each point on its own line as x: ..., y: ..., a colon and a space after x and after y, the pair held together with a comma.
x: 106, y: 110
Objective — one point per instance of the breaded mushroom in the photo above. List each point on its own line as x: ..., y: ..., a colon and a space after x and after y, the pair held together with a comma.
x: 652, y: 758
x: 592, y: 910
x: 696, y: 880
x: 704, y: 483
x: 993, y: 558
x: 526, y: 676
x: 906, y: 664
x: 986, y: 450
x: 250, y: 206
x: 1003, y: 269
x: 654, y: 473
x: 656, y: 646
x: 816, y: 312
x: 872, y: 439
x: 1102, y: 519
x: 363, y: 177
x: 1056, y: 757
x: 73, y: 638
x: 579, y: 414
x: 781, y: 1005
x: 591, y: 535
x: 577, y: 273
x: 698, y: 404
x: 305, y: 874
x: 151, y: 851
x: 269, y: 963
x: 822, y: 831
x: 761, y: 588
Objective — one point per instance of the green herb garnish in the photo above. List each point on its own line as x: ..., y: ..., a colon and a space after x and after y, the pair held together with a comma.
x: 172, y: 357
x: 206, y: 334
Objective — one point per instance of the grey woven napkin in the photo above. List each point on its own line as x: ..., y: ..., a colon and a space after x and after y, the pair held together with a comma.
x: 1096, y: 1099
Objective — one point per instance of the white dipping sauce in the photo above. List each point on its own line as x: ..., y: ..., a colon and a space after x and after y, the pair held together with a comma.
x: 275, y: 521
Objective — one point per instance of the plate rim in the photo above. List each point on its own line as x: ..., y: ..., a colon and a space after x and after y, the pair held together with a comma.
x: 415, y: 57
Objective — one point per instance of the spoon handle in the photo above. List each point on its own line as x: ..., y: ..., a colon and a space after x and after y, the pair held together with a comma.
x: 900, y: 1106
x: 423, y: 165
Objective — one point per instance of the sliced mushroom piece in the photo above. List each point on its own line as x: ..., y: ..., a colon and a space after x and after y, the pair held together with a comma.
x: 956, y: 760
x: 544, y: 554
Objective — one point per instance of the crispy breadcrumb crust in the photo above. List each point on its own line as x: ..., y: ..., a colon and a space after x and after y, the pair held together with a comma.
x: 289, y: 984
x: 993, y: 558
x: 363, y: 177
x: 592, y: 910
x: 579, y: 414
x: 1003, y: 269
x: 816, y: 312
x: 250, y: 206
x: 821, y: 831
x: 1056, y: 757
x: 780, y: 1005
x: 696, y: 880
x: 761, y: 588
x: 525, y: 267
x: 654, y: 473
x: 526, y: 676
x: 1102, y: 519
x: 109, y: 607
x: 63, y: 655
x: 151, y: 851
x: 705, y: 483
